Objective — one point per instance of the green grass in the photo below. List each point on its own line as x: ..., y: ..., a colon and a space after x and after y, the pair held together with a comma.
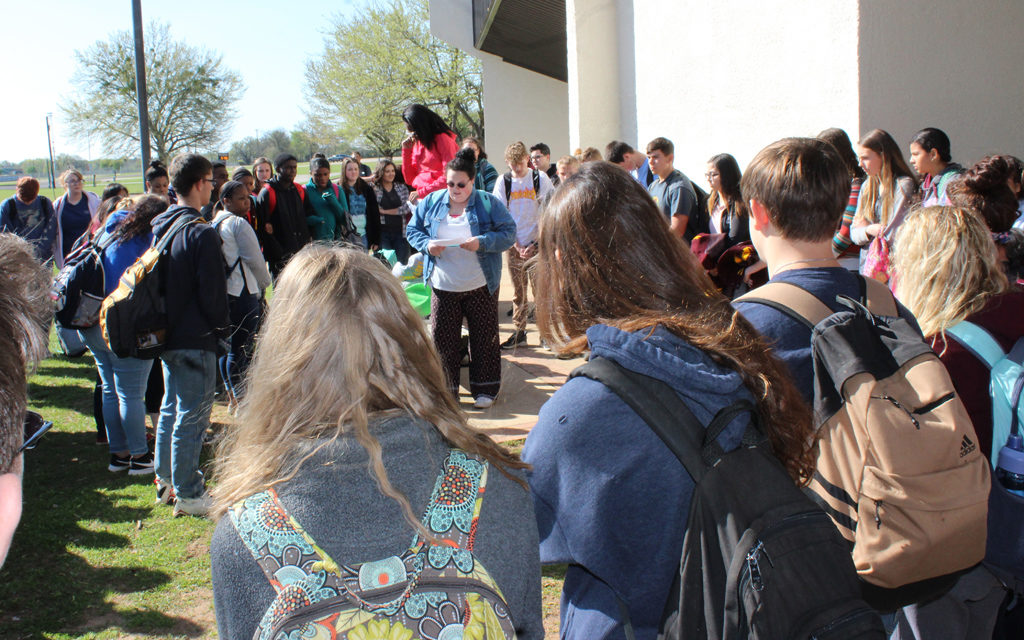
x: 93, y: 556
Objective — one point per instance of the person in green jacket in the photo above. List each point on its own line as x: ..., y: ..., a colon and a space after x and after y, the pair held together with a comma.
x: 330, y: 219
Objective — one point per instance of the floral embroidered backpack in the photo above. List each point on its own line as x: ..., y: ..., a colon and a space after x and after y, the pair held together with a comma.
x: 437, y: 591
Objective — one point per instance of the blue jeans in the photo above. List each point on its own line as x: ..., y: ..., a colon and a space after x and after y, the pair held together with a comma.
x: 189, y: 379
x: 123, y: 384
x: 245, y: 319
x: 392, y: 237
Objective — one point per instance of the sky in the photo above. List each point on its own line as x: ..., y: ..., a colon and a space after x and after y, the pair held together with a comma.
x: 266, y: 41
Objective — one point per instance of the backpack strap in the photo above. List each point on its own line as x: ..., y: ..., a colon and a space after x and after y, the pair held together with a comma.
x: 877, y: 297
x: 106, y: 241
x: 271, y: 198
x: 790, y: 299
x: 668, y: 416
x: 180, y: 222
x: 507, y: 178
x: 978, y: 342
x: 940, y: 189
x: 804, y: 307
x: 536, y: 183
x: 238, y: 258
x: 453, y: 512
x: 302, y: 192
x: 267, y: 530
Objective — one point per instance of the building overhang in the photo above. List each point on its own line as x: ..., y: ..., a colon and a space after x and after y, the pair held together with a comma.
x: 527, y: 33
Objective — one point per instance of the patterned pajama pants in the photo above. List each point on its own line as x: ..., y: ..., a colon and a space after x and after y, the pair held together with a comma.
x: 480, y: 309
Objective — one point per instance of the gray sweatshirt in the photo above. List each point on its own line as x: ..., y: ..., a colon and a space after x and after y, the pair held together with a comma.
x: 335, y: 498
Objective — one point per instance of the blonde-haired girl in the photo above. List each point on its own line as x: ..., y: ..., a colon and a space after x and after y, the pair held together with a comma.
x: 75, y: 211
x: 947, y: 271
x: 346, y: 426
x: 884, y: 200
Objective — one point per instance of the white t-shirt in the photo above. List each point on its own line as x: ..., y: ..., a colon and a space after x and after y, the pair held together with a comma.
x: 523, y: 204
x: 456, y: 269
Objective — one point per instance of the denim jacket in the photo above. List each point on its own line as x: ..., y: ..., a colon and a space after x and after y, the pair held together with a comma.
x: 489, y: 222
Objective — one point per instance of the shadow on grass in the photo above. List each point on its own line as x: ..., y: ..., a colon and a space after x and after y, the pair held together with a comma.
x: 81, y: 368
x: 55, y: 579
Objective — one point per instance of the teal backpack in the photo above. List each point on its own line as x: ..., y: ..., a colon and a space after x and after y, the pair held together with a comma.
x: 1004, y: 548
x: 439, y: 591
x: 1007, y: 381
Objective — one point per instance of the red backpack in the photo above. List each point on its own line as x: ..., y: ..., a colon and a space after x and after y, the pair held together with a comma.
x: 272, y: 195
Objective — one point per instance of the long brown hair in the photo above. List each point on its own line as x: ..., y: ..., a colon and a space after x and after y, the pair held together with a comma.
x: 607, y: 257
x: 362, y: 351
x: 884, y: 184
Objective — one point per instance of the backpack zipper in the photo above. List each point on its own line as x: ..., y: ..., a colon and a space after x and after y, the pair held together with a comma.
x: 896, y: 403
x: 752, y: 569
x: 935, y: 404
x: 439, y: 584
x: 878, y: 515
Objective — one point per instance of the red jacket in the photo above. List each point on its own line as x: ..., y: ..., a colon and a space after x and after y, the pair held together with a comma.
x: 1002, y: 318
x: 423, y: 168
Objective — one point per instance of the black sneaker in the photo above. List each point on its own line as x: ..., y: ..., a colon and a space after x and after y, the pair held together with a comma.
x: 119, y: 463
x: 517, y: 338
x: 141, y: 465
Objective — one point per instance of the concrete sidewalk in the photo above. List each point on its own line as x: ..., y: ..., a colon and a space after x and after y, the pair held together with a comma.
x: 529, y: 375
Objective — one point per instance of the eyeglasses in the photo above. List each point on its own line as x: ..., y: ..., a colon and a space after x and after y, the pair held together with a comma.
x: 711, y: 174
x: 73, y: 181
x: 35, y: 427
x: 457, y: 185
x: 536, y: 158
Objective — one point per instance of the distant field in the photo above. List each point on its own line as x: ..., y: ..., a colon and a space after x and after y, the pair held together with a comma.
x: 136, y: 184
x: 132, y: 181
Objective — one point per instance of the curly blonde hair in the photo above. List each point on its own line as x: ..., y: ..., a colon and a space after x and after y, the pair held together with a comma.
x: 946, y: 266
x: 341, y: 343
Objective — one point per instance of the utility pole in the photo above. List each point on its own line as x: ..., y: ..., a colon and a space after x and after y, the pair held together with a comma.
x: 49, y: 147
x: 140, y: 82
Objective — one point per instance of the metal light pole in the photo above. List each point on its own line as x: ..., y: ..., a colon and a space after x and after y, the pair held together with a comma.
x: 140, y: 82
x: 49, y: 147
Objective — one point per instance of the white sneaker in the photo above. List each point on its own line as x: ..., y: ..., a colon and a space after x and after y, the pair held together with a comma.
x: 192, y: 506
x: 164, y: 491
x: 483, y: 402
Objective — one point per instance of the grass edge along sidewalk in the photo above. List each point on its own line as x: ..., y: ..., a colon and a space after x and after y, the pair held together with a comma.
x: 94, y: 557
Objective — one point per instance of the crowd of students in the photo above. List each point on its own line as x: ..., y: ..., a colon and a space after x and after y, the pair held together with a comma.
x: 349, y: 439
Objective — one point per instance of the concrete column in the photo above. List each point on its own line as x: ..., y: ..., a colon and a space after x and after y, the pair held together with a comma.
x: 602, y: 72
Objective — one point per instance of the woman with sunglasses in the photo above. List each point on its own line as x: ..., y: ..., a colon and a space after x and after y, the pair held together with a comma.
x: 462, y: 233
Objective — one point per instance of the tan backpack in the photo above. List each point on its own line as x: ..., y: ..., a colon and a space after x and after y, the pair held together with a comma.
x: 898, y: 466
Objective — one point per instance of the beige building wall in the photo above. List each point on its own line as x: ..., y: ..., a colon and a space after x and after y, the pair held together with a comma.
x: 518, y: 104
x: 952, y: 65
x: 733, y: 76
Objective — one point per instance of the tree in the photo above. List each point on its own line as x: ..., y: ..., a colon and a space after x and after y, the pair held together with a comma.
x: 191, y: 95
x: 378, y: 63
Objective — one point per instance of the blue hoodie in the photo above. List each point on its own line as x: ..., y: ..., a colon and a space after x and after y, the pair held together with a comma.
x: 611, y: 500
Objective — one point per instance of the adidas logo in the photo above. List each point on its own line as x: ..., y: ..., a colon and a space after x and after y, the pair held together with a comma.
x: 966, y: 446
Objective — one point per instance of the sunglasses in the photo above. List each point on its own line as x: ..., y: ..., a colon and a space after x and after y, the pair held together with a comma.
x: 35, y: 427
x: 457, y: 185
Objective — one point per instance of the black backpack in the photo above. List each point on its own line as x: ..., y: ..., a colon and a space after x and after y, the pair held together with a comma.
x: 701, y: 216
x: 760, y: 559
x: 507, y: 178
x: 79, y: 288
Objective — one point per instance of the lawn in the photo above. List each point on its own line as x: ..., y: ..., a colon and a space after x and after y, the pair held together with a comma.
x: 94, y: 557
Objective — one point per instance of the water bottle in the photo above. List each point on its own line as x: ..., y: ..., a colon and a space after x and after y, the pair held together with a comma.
x: 1010, y: 470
